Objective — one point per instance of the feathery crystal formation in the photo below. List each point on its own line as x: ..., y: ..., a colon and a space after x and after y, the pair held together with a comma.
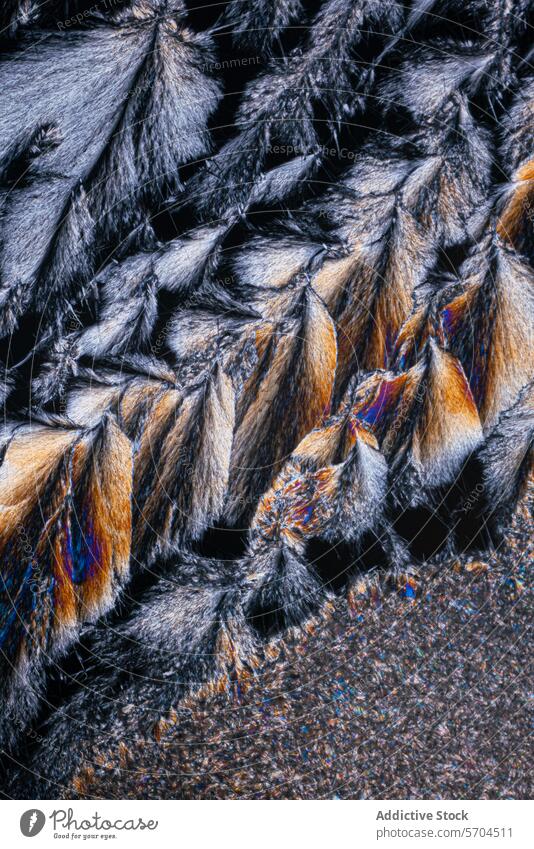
x: 266, y: 294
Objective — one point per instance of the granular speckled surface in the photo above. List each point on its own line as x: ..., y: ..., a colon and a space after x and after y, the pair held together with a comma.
x: 425, y: 694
